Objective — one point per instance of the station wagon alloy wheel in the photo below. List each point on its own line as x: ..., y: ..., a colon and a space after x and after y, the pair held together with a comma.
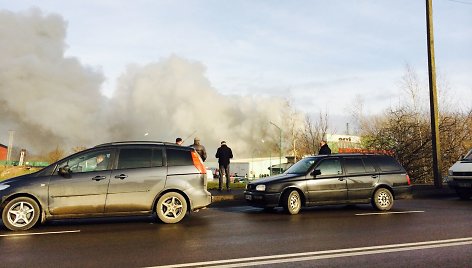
x: 383, y: 199
x: 171, y: 207
x: 20, y: 214
x: 292, y: 204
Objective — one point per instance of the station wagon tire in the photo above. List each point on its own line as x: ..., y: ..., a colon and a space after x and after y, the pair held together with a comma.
x: 21, y: 214
x: 171, y: 207
x: 463, y: 194
x: 292, y: 202
x: 382, y: 199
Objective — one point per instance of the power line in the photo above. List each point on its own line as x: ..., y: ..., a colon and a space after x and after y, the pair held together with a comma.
x: 461, y: 2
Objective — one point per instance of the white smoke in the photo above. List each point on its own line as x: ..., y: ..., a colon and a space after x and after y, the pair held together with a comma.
x: 51, y: 100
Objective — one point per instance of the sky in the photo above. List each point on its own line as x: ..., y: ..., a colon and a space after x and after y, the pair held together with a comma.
x: 320, y: 55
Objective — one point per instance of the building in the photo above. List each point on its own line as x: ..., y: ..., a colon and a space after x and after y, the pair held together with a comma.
x: 337, y: 142
x: 253, y: 168
x: 3, y: 152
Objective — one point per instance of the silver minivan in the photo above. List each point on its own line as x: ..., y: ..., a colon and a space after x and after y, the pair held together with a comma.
x: 112, y: 179
x: 460, y: 176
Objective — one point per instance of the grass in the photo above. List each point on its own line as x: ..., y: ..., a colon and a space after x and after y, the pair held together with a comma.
x: 7, y: 172
x: 213, y: 185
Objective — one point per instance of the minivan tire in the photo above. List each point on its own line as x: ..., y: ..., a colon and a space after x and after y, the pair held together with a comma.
x: 292, y: 202
x: 382, y: 199
x: 171, y: 207
x: 21, y: 214
x: 463, y: 194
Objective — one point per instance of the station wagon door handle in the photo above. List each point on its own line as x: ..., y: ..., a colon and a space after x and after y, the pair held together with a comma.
x: 121, y: 176
x: 374, y: 176
x: 340, y: 179
x: 99, y: 178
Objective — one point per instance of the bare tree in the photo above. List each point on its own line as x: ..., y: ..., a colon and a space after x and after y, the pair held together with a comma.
x: 55, y: 155
x: 312, y: 134
x: 405, y: 130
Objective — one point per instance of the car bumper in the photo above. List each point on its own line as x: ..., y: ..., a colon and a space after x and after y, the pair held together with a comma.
x: 262, y: 199
x: 459, y: 183
x: 402, y: 192
x: 199, y: 199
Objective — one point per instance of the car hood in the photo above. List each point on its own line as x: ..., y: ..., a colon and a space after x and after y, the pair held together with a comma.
x: 276, y: 178
x: 462, y: 166
x: 15, y: 179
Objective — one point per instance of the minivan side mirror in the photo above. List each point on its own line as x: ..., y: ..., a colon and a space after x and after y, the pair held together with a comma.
x: 315, y: 172
x: 64, y: 171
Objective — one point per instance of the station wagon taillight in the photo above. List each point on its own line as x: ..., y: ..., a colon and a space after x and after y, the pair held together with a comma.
x: 408, y: 179
x: 197, y: 162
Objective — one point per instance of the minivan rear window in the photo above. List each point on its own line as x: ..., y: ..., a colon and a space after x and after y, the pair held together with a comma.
x: 177, y: 157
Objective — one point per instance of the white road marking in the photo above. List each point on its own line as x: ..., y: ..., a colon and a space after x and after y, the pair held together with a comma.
x: 326, y: 254
x: 390, y: 212
x: 44, y: 233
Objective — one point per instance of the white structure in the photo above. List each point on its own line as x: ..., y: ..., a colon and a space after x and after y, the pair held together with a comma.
x: 252, y: 167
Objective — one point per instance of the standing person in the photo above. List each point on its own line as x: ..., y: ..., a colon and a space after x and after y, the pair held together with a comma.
x: 179, y: 141
x: 199, y: 148
x: 324, y: 149
x: 224, y: 154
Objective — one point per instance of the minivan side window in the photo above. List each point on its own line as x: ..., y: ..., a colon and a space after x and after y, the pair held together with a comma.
x: 157, y: 160
x: 330, y: 166
x: 87, y: 162
x: 387, y: 163
x: 134, y: 158
x: 177, y: 157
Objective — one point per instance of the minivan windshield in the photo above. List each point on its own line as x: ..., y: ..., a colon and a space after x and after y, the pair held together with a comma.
x: 302, y: 166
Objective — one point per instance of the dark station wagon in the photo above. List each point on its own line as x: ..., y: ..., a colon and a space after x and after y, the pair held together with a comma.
x: 113, y: 179
x: 332, y: 179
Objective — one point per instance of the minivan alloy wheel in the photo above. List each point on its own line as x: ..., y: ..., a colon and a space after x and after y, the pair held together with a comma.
x: 20, y: 214
x: 171, y: 207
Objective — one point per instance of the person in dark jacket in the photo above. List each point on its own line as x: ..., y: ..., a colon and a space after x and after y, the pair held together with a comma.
x: 324, y: 149
x: 224, y: 154
x: 199, y: 148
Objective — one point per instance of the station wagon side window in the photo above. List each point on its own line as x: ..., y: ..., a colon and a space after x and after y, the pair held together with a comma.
x: 330, y: 167
x: 87, y: 162
x: 387, y: 163
x: 354, y: 165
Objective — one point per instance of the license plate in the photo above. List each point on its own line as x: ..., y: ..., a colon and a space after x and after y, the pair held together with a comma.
x: 248, y: 197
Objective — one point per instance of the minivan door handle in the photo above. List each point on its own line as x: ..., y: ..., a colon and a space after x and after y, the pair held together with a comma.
x: 99, y: 178
x: 374, y: 176
x: 121, y: 176
x: 340, y: 179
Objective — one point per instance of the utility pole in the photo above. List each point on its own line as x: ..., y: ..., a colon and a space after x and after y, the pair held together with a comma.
x: 11, y: 134
x: 433, y: 97
x: 280, y: 155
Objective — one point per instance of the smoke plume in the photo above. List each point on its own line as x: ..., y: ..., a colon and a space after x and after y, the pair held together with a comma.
x: 51, y: 100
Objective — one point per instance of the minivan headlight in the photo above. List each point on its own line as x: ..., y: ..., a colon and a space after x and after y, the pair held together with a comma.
x: 4, y: 186
x: 261, y: 187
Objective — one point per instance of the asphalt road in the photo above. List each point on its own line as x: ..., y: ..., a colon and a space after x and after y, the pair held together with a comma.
x: 416, y: 233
